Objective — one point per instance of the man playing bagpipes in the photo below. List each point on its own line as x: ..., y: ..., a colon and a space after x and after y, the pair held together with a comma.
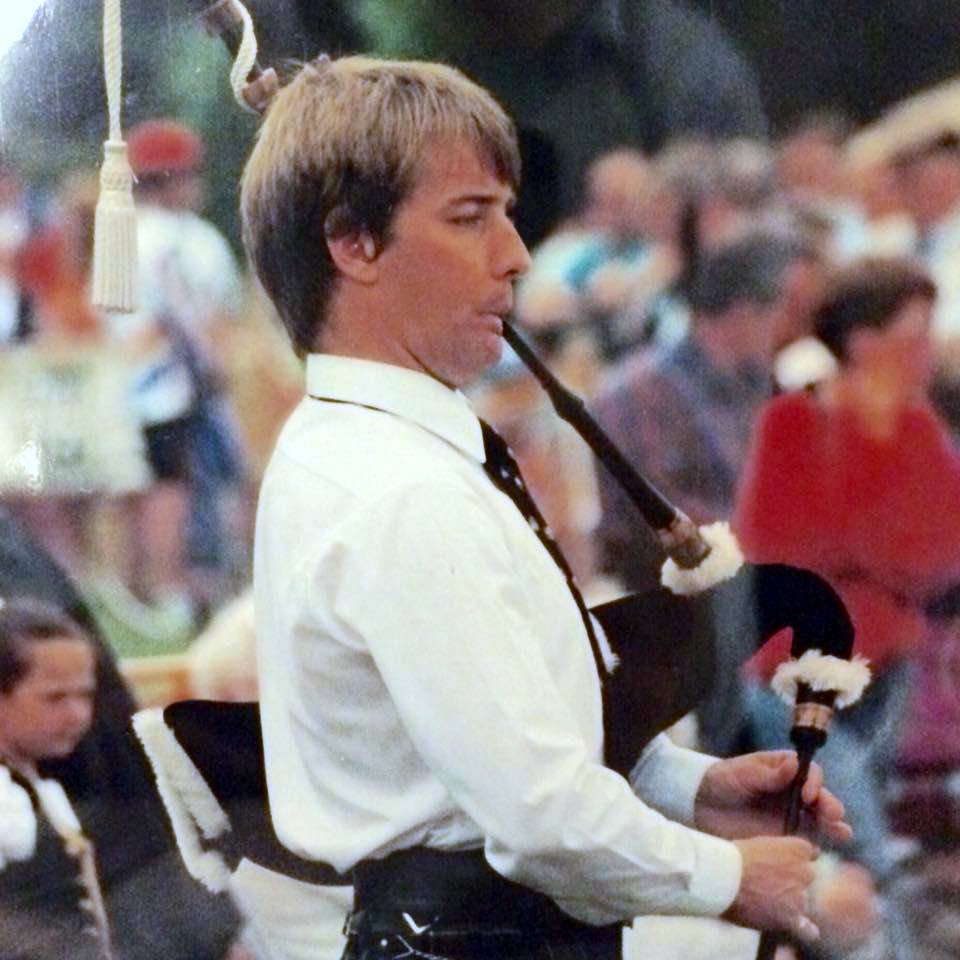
x: 431, y: 683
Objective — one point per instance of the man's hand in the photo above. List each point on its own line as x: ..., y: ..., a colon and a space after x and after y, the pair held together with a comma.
x: 774, y: 886
x: 747, y: 796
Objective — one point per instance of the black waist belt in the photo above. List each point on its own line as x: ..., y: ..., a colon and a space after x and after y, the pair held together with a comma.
x: 447, y: 894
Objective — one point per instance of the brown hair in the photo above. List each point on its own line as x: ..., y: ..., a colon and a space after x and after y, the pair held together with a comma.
x: 867, y: 294
x: 338, y: 151
x: 25, y: 621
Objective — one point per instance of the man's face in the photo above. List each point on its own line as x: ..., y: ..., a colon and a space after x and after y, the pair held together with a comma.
x: 752, y: 336
x: 930, y: 185
x: 446, y: 274
x: 47, y: 713
x: 740, y: 339
x: 619, y: 187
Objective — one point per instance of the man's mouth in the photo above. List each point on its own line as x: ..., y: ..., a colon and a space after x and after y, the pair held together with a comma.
x: 495, y: 320
x: 496, y: 312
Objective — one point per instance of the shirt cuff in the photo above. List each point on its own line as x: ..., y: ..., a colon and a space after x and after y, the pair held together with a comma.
x: 667, y: 778
x: 716, y: 882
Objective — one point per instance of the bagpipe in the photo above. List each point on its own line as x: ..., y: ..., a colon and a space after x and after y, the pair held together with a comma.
x: 208, y: 756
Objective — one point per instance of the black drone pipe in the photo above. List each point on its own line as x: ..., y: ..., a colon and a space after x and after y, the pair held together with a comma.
x: 679, y: 537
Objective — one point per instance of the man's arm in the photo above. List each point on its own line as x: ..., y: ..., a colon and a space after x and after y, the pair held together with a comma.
x: 480, y: 703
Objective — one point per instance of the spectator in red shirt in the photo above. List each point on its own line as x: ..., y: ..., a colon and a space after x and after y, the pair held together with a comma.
x: 858, y: 481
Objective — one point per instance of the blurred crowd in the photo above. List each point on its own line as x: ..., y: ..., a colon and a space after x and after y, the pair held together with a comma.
x: 129, y: 442
x: 770, y: 333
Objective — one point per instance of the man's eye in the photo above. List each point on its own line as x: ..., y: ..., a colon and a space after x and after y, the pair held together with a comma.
x: 467, y: 219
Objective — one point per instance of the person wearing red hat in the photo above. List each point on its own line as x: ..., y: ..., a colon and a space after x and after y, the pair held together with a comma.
x: 189, y: 285
x: 164, y: 147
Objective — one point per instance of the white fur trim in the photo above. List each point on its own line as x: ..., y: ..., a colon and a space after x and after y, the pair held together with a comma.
x: 722, y: 563
x: 610, y: 660
x: 188, y: 800
x: 18, y: 822
x: 56, y: 805
x: 849, y: 678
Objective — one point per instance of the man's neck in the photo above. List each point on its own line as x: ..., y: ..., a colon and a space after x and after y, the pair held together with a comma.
x: 351, y: 330
x: 877, y: 402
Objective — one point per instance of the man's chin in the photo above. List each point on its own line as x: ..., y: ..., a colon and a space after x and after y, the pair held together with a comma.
x: 473, y: 365
x: 492, y: 352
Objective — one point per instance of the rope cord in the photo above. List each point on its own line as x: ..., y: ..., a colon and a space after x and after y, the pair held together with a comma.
x: 246, y: 57
x: 112, y: 63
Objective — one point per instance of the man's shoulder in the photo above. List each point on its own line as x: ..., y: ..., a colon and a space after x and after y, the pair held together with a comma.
x: 355, y: 487
x: 792, y: 411
x: 367, y: 452
x: 157, y: 224
x: 946, y: 233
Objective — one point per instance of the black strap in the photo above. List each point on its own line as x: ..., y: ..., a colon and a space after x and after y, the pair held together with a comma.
x: 502, y: 468
x: 440, y: 903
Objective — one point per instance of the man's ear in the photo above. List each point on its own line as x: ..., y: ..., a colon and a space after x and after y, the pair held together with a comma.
x: 355, y: 254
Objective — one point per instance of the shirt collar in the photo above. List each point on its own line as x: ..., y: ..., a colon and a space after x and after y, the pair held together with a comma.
x: 408, y: 394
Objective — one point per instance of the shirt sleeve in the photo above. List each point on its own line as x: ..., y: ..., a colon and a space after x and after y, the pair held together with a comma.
x: 455, y: 645
x: 667, y: 777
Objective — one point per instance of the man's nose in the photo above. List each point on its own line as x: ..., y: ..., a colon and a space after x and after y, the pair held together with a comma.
x: 510, y: 258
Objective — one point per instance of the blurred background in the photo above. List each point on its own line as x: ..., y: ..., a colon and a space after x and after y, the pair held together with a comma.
x: 848, y: 56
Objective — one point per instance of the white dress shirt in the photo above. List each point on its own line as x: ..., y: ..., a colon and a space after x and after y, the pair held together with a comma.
x: 426, y: 678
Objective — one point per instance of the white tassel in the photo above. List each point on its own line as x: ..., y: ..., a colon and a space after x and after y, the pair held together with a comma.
x: 115, y: 233
x: 115, y: 226
x: 246, y: 58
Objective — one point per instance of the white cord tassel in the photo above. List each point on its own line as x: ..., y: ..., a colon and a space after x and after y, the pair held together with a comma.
x: 253, y: 95
x: 115, y: 226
